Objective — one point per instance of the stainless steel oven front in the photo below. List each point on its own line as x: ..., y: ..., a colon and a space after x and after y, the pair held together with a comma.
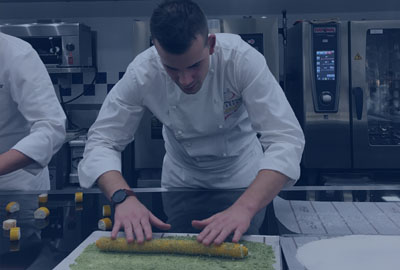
x: 343, y: 81
x: 59, y: 45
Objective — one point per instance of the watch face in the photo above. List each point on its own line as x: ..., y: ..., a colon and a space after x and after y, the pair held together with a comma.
x: 119, y: 196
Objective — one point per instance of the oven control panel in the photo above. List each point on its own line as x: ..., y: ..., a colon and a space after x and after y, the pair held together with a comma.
x: 325, y: 64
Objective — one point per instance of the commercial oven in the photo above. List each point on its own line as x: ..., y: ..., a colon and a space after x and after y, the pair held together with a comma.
x: 59, y: 45
x: 261, y: 33
x: 343, y: 82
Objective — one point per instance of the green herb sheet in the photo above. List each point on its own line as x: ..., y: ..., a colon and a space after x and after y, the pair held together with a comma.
x: 261, y: 256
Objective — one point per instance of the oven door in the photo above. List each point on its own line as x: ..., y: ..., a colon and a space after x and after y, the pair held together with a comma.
x: 262, y: 34
x: 375, y: 91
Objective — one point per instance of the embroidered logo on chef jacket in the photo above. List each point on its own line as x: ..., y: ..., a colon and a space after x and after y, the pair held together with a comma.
x: 232, y: 102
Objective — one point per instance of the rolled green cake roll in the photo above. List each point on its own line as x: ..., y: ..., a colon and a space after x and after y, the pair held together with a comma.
x: 174, y: 246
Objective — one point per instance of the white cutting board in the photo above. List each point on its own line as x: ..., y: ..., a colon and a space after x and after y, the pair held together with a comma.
x: 267, y: 239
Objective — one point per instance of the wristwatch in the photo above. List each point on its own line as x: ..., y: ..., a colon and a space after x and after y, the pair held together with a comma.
x: 120, y: 195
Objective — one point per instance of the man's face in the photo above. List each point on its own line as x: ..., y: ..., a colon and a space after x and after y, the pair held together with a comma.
x: 188, y: 70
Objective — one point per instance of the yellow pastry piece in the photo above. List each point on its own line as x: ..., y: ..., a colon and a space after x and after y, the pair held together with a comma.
x: 9, y: 223
x: 79, y: 197
x: 41, y: 213
x: 12, y: 207
x: 15, y: 234
x: 106, y: 210
x: 43, y: 198
x: 104, y: 224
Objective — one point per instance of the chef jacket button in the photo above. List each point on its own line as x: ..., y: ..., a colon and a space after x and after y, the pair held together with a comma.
x: 188, y: 144
x: 179, y: 132
x: 220, y: 126
x: 224, y: 154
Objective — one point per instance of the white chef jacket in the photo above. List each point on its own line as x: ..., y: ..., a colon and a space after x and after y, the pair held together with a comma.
x: 31, y: 118
x: 210, y: 137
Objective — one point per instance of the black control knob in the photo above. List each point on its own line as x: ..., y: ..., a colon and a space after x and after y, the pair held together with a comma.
x: 326, y: 97
x: 70, y: 47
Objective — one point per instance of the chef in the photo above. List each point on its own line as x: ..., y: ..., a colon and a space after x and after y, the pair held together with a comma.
x: 213, y: 94
x: 32, y: 122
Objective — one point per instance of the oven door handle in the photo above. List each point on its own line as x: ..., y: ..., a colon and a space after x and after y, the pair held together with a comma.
x: 358, y: 94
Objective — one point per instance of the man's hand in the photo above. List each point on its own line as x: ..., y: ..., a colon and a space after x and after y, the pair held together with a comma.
x: 237, y: 218
x: 131, y: 214
x: 218, y: 227
x: 136, y: 220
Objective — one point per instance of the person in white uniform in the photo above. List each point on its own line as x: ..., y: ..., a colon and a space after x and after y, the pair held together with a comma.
x: 214, y: 94
x: 32, y: 122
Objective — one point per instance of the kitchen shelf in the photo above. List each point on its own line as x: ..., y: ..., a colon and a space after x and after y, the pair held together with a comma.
x: 65, y: 70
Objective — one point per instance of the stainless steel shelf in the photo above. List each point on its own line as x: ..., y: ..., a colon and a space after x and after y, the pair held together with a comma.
x: 63, y: 70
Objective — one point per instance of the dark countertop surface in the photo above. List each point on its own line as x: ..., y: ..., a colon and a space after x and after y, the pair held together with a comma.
x: 45, y: 243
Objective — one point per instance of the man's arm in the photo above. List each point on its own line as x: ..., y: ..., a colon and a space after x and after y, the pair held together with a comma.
x: 13, y: 160
x: 281, y: 137
x: 110, y: 182
x: 31, y: 88
x: 236, y: 219
x: 262, y: 191
x: 132, y: 215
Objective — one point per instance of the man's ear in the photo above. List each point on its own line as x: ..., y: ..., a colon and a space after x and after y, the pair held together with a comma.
x: 211, y: 43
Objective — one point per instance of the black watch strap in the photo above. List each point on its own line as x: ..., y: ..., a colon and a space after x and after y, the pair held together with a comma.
x: 129, y: 192
x: 120, y: 195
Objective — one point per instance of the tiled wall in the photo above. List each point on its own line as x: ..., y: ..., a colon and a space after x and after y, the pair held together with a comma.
x: 83, y: 111
x: 114, y: 53
x: 94, y: 85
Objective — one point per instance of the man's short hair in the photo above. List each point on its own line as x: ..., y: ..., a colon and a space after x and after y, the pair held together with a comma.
x: 175, y: 24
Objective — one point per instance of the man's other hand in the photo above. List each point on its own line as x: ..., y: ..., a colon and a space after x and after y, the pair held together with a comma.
x: 136, y: 220
x: 218, y: 227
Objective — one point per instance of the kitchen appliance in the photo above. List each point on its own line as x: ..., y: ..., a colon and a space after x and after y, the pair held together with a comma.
x: 261, y: 33
x: 59, y: 45
x: 343, y: 82
x: 77, y: 148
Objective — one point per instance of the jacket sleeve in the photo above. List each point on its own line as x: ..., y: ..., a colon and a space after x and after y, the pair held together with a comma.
x: 271, y: 116
x: 113, y: 129
x: 33, y: 92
